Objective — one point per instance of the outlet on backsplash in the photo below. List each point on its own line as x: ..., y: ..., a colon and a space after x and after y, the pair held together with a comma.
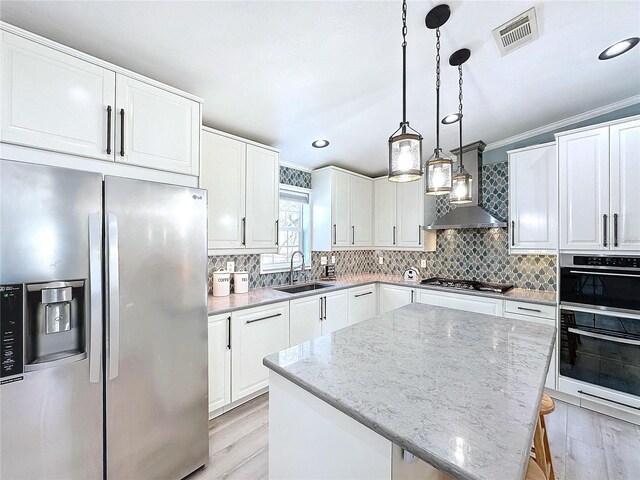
x: 231, y: 266
x: 381, y: 261
x: 323, y: 261
x: 333, y: 259
x: 423, y: 263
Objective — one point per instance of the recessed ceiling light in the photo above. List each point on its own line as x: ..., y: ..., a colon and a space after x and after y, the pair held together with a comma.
x: 320, y: 143
x: 619, y: 48
x: 451, y: 118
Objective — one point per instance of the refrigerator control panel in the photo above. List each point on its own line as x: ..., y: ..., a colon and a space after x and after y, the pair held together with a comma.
x: 11, y: 330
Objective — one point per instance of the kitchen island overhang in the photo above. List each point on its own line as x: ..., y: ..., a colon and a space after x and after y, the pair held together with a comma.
x: 459, y: 390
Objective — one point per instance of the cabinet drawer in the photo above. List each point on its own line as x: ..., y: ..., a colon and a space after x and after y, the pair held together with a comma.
x: 469, y: 303
x: 530, y: 309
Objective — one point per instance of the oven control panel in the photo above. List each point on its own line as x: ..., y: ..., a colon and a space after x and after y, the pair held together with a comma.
x: 11, y: 330
x: 614, y: 262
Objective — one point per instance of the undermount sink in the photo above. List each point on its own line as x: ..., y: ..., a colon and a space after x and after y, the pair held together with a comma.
x: 306, y: 287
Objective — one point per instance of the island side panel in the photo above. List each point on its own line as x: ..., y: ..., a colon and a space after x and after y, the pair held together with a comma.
x: 309, y: 439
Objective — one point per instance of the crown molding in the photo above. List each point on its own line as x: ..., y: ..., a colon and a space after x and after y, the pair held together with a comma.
x: 564, y: 123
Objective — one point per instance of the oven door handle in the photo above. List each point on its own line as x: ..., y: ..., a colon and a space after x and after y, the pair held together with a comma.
x: 605, y: 273
x: 628, y: 341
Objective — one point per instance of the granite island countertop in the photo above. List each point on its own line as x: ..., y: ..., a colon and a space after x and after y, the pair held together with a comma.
x: 264, y: 296
x: 459, y: 390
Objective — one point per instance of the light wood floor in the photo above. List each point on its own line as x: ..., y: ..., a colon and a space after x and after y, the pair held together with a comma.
x: 585, y: 445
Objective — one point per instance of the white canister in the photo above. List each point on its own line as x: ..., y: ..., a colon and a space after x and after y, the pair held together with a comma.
x: 221, y: 283
x: 240, y: 282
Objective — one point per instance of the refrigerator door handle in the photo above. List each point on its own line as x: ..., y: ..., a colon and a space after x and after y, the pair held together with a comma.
x: 113, y: 287
x: 95, y: 283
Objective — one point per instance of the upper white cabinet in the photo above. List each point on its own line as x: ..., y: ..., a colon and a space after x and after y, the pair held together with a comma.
x: 57, y: 99
x: 600, y: 188
x: 243, y: 184
x: 156, y: 128
x: 219, y: 361
x: 533, y: 200
x: 399, y: 213
x: 342, y: 204
x: 54, y: 101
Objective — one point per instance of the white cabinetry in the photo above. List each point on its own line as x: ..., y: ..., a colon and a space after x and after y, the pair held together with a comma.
x: 243, y: 184
x: 533, y: 200
x: 219, y: 361
x: 470, y: 303
x: 54, y: 101
x: 256, y: 333
x: 57, y: 99
x: 600, y: 188
x: 342, y: 205
x: 311, y: 317
x: 156, y: 128
x: 363, y: 303
x: 392, y: 297
x: 399, y: 213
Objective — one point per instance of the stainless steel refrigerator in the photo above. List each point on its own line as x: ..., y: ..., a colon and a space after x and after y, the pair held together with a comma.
x: 103, y: 288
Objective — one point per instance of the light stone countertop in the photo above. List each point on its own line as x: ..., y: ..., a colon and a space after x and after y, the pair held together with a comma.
x: 264, y: 296
x: 459, y: 390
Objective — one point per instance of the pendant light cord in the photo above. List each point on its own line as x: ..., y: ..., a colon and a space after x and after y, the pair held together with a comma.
x: 460, y: 110
x: 404, y: 66
x: 437, y: 89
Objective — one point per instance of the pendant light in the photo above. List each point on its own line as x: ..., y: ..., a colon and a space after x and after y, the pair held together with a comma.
x: 462, y: 182
x: 405, y: 147
x: 440, y: 165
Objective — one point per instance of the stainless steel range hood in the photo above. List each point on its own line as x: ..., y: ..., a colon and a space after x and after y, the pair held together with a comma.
x: 471, y: 215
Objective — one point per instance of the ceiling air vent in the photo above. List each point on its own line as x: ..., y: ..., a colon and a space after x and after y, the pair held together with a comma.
x: 516, y: 32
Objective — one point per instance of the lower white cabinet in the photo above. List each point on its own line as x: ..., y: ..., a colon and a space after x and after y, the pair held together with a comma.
x: 363, y: 303
x: 392, y: 297
x: 311, y: 317
x: 470, y: 303
x: 219, y: 361
x: 256, y: 333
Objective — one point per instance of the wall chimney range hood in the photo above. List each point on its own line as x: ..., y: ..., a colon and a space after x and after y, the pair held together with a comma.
x: 470, y: 215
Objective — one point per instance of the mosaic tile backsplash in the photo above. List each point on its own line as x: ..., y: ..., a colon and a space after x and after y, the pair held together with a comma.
x: 294, y: 177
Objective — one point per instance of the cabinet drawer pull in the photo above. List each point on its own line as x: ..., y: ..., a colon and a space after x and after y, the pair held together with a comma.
x: 277, y: 233
x: 353, y: 235
x: 530, y: 309
x: 229, y: 332
x: 411, y: 296
x: 324, y: 317
x: 363, y: 294
x: 263, y: 318
x: 320, y: 303
x: 394, y: 235
x: 122, y: 132
x: 335, y: 234
x: 108, y: 129
x: 604, y: 230
x: 615, y: 229
x: 419, y: 234
x: 513, y: 233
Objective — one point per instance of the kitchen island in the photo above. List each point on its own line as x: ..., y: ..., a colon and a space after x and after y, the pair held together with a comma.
x: 458, y: 390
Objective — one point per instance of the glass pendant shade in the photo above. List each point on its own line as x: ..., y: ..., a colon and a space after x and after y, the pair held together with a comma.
x: 462, y: 191
x: 439, y: 169
x: 405, y: 157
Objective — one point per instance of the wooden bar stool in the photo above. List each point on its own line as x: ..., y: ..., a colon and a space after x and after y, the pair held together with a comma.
x: 541, y: 442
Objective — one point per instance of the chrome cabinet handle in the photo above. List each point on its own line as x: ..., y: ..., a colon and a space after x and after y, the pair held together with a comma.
x: 263, y: 318
x: 108, y: 129
x: 335, y: 234
x: 113, y: 288
x: 363, y: 294
x: 320, y: 303
x: 95, y: 285
x: 229, y: 332
x: 122, y: 132
x: 277, y: 229
x: 394, y: 235
x: 411, y: 296
x: 419, y: 234
x: 353, y: 235
x: 604, y: 230
x: 615, y: 229
x: 530, y: 309
x: 324, y: 317
x: 244, y: 230
x: 607, y: 399
x: 513, y: 233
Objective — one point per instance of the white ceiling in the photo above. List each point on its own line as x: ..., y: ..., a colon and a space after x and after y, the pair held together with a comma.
x: 287, y: 73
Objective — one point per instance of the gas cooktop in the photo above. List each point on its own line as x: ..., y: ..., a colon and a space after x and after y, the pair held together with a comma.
x: 467, y: 284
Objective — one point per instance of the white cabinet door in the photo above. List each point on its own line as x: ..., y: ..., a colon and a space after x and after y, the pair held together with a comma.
x: 584, y: 190
x: 256, y: 333
x: 53, y: 101
x: 223, y: 175
x: 305, y: 316
x: 625, y: 186
x: 335, y: 312
x: 533, y: 200
x: 161, y: 129
x: 363, y: 304
x: 409, y: 213
x: 392, y: 297
x: 469, y: 303
x: 340, y: 209
x: 361, y: 201
x: 263, y: 180
x: 219, y: 361
x: 384, y: 216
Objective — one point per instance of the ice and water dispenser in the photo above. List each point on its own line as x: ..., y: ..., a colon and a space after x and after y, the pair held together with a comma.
x: 41, y: 323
